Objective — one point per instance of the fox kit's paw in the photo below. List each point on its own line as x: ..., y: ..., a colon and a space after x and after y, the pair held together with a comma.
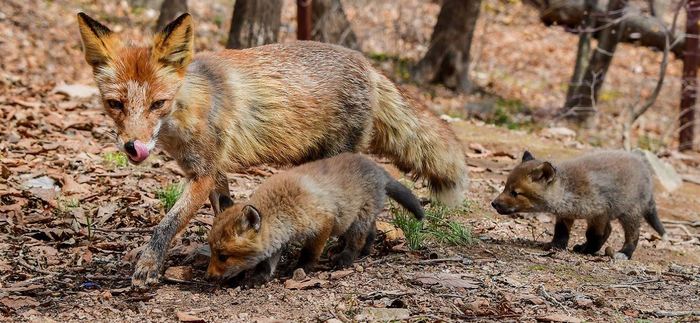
x: 583, y: 248
x: 147, y: 271
x: 343, y: 259
x: 555, y: 245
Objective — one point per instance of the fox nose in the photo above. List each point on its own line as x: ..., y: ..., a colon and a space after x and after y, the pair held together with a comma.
x: 494, y: 205
x: 129, y: 148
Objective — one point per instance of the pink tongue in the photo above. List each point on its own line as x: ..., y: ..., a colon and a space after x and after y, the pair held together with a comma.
x: 141, y: 151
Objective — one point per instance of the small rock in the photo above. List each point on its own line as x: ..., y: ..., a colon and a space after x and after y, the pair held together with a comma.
x: 179, y: 273
x: 559, y: 318
x: 558, y: 132
x: 43, y: 182
x: 334, y: 320
x: 583, y: 301
x: 299, y: 274
x: 385, y: 314
x: 359, y: 268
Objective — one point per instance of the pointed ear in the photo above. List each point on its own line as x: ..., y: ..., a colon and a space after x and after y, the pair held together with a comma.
x: 252, y: 215
x: 527, y: 156
x: 174, y: 46
x: 544, y: 172
x: 99, y: 43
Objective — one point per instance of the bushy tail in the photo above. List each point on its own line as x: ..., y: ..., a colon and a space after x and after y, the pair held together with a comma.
x: 417, y: 141
x: 652, y: 218
x: 405, y: 197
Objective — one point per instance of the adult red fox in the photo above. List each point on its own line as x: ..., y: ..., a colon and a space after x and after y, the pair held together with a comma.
x: 281, y: 104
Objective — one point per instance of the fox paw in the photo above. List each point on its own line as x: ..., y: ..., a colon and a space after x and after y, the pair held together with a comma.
x: 580, y: 248
x: 555, y: 245
x: 147, y: 271
x: 342, y: 260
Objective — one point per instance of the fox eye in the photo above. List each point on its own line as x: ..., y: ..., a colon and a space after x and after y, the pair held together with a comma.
x: 513, y: 193
x: 157, y: 105
x: 223, y: 258
x: 115, y: 104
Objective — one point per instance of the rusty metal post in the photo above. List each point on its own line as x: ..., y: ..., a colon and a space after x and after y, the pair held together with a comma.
x: 304, y: 19
x: 689, y: 85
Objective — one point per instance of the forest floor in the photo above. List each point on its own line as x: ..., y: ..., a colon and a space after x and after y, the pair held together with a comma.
x: 73, y: 212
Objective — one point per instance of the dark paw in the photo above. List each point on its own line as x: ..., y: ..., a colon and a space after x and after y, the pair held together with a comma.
x: 556, y: 245
x: 257, y: 280
x: 583, y: 249
x: 342, y: 260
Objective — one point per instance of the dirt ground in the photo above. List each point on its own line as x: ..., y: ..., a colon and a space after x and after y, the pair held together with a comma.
x: 72, y: 215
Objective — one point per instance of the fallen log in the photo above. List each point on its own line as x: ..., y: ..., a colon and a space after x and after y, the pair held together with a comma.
x: 639, y: 28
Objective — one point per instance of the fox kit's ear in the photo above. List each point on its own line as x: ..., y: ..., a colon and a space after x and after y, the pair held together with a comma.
x: 544, y: 172
x: 527, y: 156
x: 174, y: 46
x: 252, y: 215
x: 99, y: 43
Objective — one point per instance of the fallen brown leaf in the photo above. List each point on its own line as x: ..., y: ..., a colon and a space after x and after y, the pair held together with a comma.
x: 307, y: 283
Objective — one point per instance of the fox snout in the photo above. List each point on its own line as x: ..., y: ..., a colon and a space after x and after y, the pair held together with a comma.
x: 502, y: 208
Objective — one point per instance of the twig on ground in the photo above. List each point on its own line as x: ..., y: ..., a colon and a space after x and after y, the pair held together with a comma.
x: 674, y: 313
x: 689, y: 223
x: 126, y: 230
x: 436, y: 261
x: 189, y: 282
x: 543, y: 292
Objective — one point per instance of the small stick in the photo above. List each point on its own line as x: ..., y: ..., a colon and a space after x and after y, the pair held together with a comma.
x: 435, y: 261
x: 548, y: 297
x: 126, y: 230
x: 189, y: 282
x: 675, y: 313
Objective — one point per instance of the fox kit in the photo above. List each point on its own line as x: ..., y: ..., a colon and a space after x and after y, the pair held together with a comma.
x: 281, y: 104
x: 339, y: 196
x: 598, y: 187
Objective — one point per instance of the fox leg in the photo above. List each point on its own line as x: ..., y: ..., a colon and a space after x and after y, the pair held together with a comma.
x: 369, y: 240
x: 631, y: 227
x: 152, y: 258
x: 596, y: 235
x: 313, y: 248
x: 355, y: 240
x: 561, y: 234
x: 265, y: 270
x: 220, y: 197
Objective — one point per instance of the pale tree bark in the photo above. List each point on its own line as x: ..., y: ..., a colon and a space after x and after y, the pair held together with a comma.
x: 689, y: 87
x: 169, y: 10
x: 580, y: 105
x: 447, y: 59
x: 331, y: 25
x: 639, y: 28
x: 254, y: 23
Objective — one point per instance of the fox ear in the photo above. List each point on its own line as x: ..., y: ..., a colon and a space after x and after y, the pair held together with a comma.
x: 527, y: 156
x: 99, y: 43
x: 174, y: 45
x: 544, y: 172
x: 252, y: 215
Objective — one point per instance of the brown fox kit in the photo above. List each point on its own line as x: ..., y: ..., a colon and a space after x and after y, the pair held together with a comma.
x: 281, y: 104
x: 598, y: 187
x: 339, y: 196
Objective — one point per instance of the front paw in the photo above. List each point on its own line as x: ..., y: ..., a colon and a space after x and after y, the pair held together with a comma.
x: 556, y: 245
x: 583, y: 249
x: 258, y: 280
x: 147, y: 271
x: 342, y: 260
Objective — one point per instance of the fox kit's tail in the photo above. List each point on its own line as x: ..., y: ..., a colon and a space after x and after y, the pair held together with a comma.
x: 652, y: 218
x: 405, y: 197
x: 418, y: 141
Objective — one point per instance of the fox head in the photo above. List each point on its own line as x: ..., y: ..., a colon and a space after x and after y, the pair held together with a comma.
x: 235, y: 242
x: 138, y: 84
x: 526, y: 186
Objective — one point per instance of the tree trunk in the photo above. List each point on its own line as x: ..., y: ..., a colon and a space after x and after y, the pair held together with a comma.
x: 580, y: 105
x: 331, y: 25
x: 639, y: 29
x: 254, y: 23
x: 447, y: 59
x: 584, y: 48
x: 689, y: 90
x: 304, y: 19
x: 169, y: 10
